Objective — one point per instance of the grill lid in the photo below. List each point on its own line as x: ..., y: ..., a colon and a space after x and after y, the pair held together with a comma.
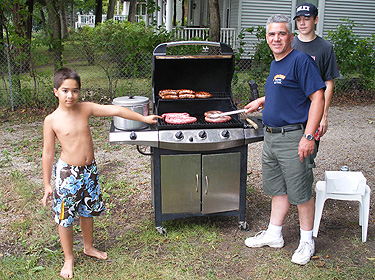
x: 200, y: 71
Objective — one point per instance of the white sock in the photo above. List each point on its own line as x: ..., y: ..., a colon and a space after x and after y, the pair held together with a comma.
x: 306, y: 235
x: 274, y: 230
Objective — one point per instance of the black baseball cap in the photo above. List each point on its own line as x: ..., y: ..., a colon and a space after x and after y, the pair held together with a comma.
x: 307, y: 10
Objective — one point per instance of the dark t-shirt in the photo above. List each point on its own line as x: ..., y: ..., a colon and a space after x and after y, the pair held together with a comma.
x: 288, y: 87
x: 322, y: 52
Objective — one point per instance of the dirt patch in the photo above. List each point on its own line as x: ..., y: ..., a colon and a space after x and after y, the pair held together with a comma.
x: 349, y: 141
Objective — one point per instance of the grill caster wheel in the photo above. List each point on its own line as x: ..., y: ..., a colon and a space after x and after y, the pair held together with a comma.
x: 161, y: 230
x: 243, y: 226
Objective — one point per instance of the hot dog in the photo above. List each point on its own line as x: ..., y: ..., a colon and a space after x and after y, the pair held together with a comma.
x: 203, y: 94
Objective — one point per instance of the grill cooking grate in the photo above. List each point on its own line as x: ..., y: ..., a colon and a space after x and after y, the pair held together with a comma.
x: 200, y: 123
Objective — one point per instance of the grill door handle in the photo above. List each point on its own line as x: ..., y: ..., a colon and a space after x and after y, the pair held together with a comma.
x: 206, y: 191
x: 197, y: 177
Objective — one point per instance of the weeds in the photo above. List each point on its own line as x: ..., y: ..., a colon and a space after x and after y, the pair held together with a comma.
x: 195, y: 248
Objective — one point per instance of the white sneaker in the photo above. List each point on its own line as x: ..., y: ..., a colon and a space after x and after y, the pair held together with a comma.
x: 263, y: 239
x: 303, y: 253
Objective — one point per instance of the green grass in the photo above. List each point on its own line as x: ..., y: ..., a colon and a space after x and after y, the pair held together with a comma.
x: 195, y: 248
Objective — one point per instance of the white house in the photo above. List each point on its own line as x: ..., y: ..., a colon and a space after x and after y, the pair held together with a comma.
x: 242, y: 14
x: 236, y: 15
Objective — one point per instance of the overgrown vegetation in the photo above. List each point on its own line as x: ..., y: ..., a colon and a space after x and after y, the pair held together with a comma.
x: 355, y: 56
x: 115, y: 59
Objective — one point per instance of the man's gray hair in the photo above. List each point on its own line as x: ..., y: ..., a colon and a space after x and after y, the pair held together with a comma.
x: 280, y: 18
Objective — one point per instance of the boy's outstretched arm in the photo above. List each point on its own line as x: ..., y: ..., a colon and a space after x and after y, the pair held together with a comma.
x: 47, y: 158
x: 115, y: 110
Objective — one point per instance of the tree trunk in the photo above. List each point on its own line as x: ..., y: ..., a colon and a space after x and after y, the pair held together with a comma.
x: 55, y: 36
x: 214, y: 21
x: 22, y: 16
x: 183, y: 13
x: 132, y: 10
x: 63, y: 19
x: 98, y: 12
x: 72, y: 13
x: 174, y: 13
x: 42, y: 19
x: 111, y: 9
x: 2, y: 29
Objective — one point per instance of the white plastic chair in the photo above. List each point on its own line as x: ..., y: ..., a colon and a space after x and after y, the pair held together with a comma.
x: 346, y: 192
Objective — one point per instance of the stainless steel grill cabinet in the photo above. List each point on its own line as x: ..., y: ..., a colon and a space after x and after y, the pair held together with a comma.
x: 197, y: 169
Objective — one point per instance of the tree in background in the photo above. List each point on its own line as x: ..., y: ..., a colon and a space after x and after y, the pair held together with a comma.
x: 132, y: 10
x: 64, y: 20
x: 22, y: 17
x: 111, y: 9
x: 55, y: 32
x: 214, y: 20
x: 98, y: 12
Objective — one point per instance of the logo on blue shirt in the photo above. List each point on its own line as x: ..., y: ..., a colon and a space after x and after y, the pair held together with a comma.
x: 278, y: 79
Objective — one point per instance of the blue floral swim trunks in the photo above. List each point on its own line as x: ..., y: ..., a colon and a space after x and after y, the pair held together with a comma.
x: 77, y: 191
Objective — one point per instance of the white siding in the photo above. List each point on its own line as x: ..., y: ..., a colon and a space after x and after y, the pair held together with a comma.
x: 256, y: 13
x: 234, y: 13
x: 359, y: 11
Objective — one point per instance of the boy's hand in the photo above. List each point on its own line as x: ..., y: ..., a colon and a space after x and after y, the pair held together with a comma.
x: 151, y: 118
x: 47, y: 192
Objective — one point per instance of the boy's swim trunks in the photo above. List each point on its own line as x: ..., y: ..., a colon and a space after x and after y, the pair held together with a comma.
x: 77, y: 191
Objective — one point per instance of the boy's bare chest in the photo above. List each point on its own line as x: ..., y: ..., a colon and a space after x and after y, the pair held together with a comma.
x: 71, y: 128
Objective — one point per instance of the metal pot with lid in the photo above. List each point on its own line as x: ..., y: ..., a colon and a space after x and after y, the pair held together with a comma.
x: 139, y: 104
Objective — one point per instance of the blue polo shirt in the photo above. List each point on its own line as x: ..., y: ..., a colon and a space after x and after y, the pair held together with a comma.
x: 288, y: 86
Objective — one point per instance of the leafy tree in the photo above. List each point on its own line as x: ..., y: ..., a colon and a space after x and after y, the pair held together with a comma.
x: 111, y: 9
x: 121, y: 49
x: 55, y: 38
x: 355, y: 56
x: 262, y: 56
x: 98, y: 12
x: 132, y: 10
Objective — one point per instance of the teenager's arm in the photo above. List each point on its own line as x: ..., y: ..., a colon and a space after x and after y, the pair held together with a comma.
x: 328, y: 93
x: 47, y: 158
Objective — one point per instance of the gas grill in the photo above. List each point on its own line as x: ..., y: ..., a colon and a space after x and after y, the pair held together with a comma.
x: 198, y: 169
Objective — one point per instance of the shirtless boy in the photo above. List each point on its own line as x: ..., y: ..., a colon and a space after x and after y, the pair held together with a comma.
x: 77, y: 188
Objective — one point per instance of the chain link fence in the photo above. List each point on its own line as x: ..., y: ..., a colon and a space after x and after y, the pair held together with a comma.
x: 106, y: 75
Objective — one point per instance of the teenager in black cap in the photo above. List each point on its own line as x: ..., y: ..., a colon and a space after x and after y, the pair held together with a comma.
x: 320, y: 50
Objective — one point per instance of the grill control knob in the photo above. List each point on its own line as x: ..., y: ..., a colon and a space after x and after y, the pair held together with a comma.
x: 225, y: 133
x: 133, y: 136
x: 202, y: 134
x: 179, y: 135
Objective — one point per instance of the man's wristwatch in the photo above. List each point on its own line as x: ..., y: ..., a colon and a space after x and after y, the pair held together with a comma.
x: 309, y: 136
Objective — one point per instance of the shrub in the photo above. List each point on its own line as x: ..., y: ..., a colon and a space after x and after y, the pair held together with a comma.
x: 355, y: 56
x: 121, y: 49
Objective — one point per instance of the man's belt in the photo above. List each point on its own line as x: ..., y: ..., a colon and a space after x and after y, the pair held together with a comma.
x: 284, y: 128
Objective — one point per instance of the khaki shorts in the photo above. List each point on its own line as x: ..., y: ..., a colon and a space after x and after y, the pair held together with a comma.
x: 283, y: 172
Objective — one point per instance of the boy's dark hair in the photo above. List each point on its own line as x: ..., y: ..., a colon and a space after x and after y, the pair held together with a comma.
x: 65, y: 73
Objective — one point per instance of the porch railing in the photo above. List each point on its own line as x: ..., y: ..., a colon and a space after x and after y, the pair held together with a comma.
x: 90, y: 19
x: 227, y: 35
